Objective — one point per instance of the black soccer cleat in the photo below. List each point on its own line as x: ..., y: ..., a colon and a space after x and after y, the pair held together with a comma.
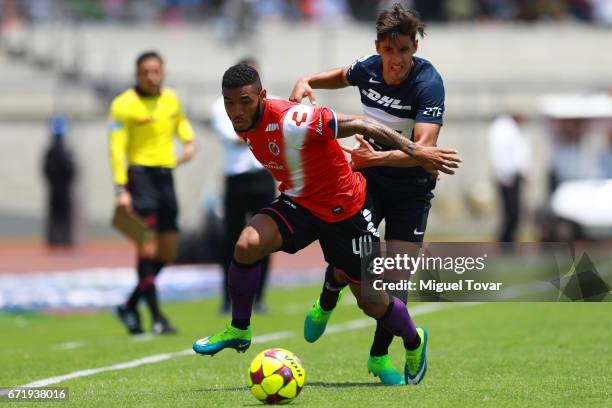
x: 130, y: 319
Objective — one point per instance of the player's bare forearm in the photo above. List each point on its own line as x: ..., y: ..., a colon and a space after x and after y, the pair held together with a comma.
x: 425, y: 134
x: 433, y: 159
x: 349, y: 125
x: 396, y: 158
x: 332, y: 79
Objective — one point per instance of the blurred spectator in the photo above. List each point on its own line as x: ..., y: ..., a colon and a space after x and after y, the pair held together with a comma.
x: 605, y: 159
x: 114, y: 8
x: 239, y: 16
x: 581, y: 9
x: 461, y: 9
x: 334, y: 10
x: 85, y: 9
x: 238, y: 19
x: 497, y: 9
x: 40, y: 9
x: 248, y: 188
x: 567, y: 162
x: 509, y: 156
x: 59, y: 172
x: 11, y: 14
x: 430, y: 10
x: 276, y: 9
x: 602, y: 11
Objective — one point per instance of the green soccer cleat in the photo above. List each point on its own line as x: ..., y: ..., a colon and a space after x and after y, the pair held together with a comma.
x: 383, y: 368
x: 316, y: 321
x: 231, y: 337
x: 416, y: 360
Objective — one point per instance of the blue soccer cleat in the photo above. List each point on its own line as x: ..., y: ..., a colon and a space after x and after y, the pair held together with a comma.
x: 383, y: 368
x: 316, y: 321
x: 231, y: 337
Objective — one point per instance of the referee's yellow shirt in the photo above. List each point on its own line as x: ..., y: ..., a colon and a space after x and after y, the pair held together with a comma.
x: 141, y: 131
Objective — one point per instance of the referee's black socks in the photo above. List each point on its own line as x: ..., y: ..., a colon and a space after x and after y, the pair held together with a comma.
x: 147, y: 269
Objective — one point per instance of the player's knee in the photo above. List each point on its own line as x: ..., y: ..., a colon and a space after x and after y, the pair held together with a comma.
x: 248, y: 247
x: 372, y: 309
x: 148, y: 249
x: 337, y: 275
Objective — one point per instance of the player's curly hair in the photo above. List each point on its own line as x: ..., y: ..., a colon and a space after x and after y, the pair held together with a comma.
x: 399, y: 21
x: 240, y: 75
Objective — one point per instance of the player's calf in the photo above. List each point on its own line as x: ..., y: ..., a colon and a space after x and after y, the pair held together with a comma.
x: 372, y: 302
x: 373, y: 309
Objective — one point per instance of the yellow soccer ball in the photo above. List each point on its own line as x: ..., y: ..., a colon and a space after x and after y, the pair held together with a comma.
x: 276, y: 376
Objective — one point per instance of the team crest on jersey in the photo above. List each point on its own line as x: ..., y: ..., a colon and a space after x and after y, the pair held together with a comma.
x: 273, y: 147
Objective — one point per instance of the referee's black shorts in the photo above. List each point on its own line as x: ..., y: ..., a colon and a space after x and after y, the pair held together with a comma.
x: 153, y: 196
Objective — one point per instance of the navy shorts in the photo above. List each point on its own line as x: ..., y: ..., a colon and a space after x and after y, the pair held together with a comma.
x: 403, y: 204
x: 347, y: 244
x: 153, y: 196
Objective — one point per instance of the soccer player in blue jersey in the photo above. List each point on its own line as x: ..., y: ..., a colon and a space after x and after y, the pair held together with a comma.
x: 406, y: 93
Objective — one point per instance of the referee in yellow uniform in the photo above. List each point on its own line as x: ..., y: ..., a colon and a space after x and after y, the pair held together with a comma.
x: 143, y: 122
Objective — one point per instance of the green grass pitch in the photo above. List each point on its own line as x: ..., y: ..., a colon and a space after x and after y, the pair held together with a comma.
x: 485, y: 355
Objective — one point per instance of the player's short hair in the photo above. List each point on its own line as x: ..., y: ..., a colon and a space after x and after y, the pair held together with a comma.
x: 146, y: 55
x: 240, y: 75
x: 399, y: 21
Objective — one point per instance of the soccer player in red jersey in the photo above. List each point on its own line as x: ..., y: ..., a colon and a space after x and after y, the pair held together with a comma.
x: 321, y: 199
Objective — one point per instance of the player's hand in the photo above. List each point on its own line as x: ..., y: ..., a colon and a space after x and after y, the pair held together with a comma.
x: 124, y: 200
x: 301, y: 90
x: 362, y: 155
x: 435, y: 159
x: 189, y: 150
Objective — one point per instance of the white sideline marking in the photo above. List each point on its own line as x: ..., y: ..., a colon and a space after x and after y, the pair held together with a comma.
x: 70, y: 345
x: 156, y: 358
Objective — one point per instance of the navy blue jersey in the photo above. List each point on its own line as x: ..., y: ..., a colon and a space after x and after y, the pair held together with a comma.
x: 419, y: 98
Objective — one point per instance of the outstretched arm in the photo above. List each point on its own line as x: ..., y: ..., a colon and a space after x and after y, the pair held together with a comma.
x: 433, y: 159
x: 331, y: 79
